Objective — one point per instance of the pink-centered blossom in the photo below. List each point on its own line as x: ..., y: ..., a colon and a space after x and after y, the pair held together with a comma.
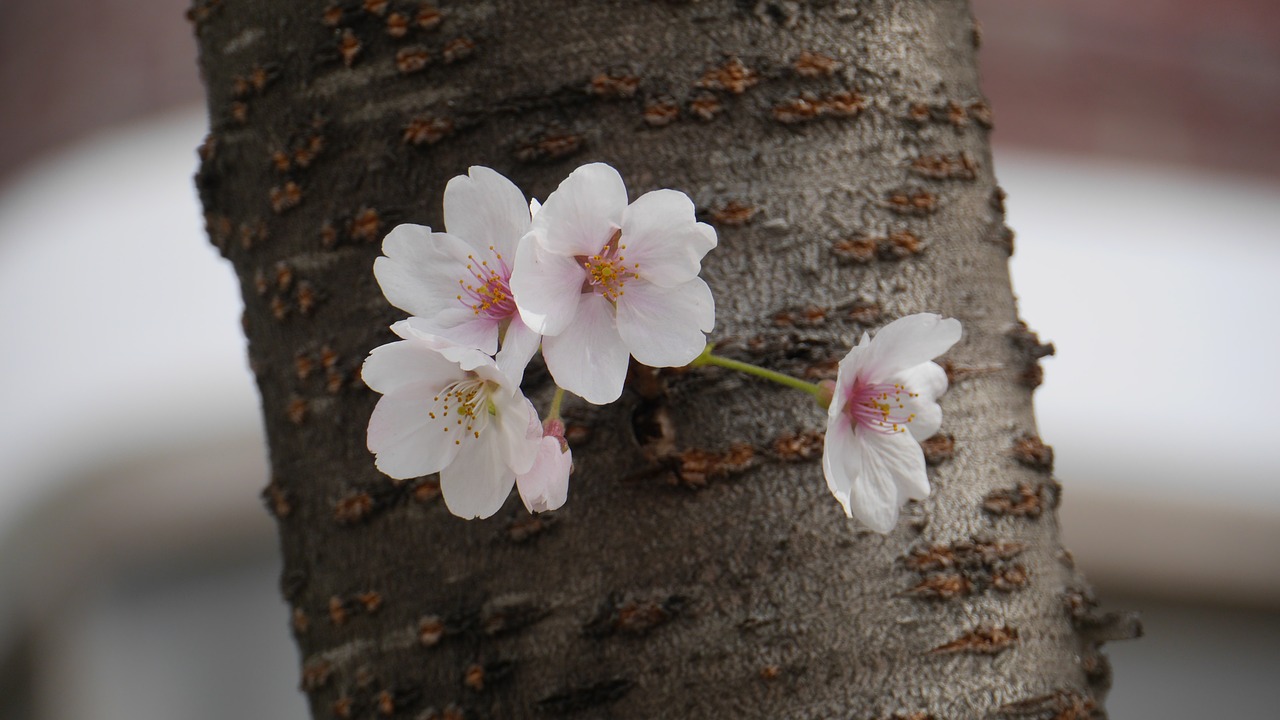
x: 603, y: 280
x: 449, y: 409
x: 883, y: 405
x: 458, y: 282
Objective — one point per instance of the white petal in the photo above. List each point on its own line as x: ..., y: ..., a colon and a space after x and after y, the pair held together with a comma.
x: 663, y: 327
x: 400, y: 364
x: 546, y: 485
x: 460, y: 326
x: 893, y: 470
x: 517, y: 430
x: 421, y: 270
x: 518, y: 347
x: 478, y: 481
x: 927, y: 420
x: 841, y: 460
x: 840, y: 394
x: 589, y: 358
x: 487, y: 210
x: 584, y: 212
x: 421, y: 332
x: 873, y: 496
x: 850, y: 366
x: 546, y: 286
x: 907, y: 342
x: 909, y: 468
x: 477, y: 333
x: 408, y: 443
x: 926, y: 381
x: 663, y: 239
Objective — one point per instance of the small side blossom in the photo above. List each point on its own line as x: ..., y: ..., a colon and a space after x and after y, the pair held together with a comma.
x: 449, y: 409
x: 546, y: 485
x: 602, y: 280
x: 884, y: 403
x: 458, y: 282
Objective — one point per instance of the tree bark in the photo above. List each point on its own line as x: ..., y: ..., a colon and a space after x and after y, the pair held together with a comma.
x: 700, y: 569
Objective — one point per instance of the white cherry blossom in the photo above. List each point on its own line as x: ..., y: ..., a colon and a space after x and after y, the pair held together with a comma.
x: 449, y: 409
x: 883, y: 405
x: 546, y: 485
x: 457, y: 282
x: 603, y: 280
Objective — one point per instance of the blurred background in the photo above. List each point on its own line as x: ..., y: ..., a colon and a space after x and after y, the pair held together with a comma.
x: 1139, y: 143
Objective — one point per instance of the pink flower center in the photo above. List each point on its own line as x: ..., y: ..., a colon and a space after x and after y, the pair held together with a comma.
x: 879, y: 407
x: 488, y: 292
x: 607, y: 270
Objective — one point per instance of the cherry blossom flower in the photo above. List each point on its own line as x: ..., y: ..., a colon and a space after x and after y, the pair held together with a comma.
x: 602, y: 280
x: 450, y: 409
x: 884, y: 403
x: 546, y: 485
x: 458, y: 282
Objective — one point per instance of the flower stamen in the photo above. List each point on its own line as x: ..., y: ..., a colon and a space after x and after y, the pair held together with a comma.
x: 880, y: 407
x: 470, y: 400
x: 488, y: 294
x: 607, y: 270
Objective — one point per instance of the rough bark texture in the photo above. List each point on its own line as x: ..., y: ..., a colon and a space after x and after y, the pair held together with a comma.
x: 700, y: 569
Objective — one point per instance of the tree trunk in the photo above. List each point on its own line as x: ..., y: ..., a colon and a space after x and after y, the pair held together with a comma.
x: 701, y: 569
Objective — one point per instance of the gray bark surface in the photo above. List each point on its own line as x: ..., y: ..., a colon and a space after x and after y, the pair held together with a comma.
x: 700, y: 568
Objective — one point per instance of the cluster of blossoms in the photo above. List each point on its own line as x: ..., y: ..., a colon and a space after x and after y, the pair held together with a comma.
x: 593, y: 281
x: 589, y: 277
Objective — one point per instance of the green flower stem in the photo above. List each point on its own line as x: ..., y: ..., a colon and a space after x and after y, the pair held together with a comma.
x: 820, y: 393
x: 556, y: 400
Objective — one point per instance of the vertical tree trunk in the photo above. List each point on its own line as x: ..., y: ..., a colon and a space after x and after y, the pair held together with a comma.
x: 700, y: 569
